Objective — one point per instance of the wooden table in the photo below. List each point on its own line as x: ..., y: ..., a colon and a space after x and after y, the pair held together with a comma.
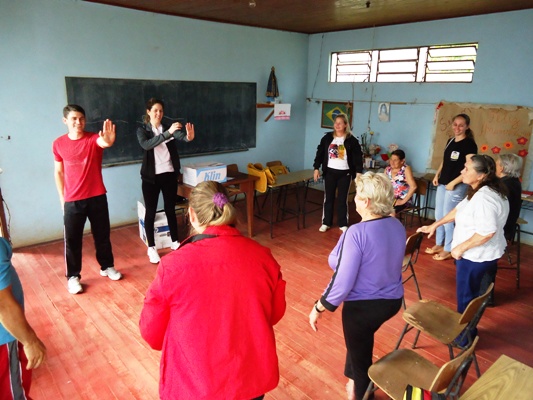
x: 505, y: 379
x: 282, y: 182
x: 243, y: 183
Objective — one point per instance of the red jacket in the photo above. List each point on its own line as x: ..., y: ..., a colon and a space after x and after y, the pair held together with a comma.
x: 211, y: 309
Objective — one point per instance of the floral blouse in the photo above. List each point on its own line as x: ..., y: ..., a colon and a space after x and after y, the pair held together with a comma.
x: 399, y: 182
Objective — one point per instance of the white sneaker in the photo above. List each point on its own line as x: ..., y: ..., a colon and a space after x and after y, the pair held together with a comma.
x: 343, y: 228
x: 174, y: 245
x: 111, y: 273
x: 323, y: 228
x: 153, y: 256
x: 74, y: 285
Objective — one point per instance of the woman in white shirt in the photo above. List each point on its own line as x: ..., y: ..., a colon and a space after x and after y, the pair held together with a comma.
x: 478, y: 238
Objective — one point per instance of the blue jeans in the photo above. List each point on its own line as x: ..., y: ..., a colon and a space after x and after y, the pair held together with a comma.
x: 446, y: 201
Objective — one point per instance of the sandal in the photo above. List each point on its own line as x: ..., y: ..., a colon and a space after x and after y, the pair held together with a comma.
x: 433, y: 250
x: 440, y: 257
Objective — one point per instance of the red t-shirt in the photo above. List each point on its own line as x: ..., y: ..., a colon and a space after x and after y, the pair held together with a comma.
x: 82, y: 165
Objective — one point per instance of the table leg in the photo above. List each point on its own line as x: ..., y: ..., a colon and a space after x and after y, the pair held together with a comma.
x: 249, y: 190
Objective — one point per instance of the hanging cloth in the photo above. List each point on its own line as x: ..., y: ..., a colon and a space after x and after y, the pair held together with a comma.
x: 272, y: 86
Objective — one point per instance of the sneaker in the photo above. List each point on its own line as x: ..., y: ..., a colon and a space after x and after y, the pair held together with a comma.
x: 153, y: 256
x: 323, y: 228
x: 174, y: 245
x: 343, y: 228
x: 74, y: 285
x: 111, y: 273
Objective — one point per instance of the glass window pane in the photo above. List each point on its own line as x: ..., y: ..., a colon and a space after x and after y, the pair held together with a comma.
x: 354, y: 57
x: 405, y: 66
x: 396, y: 77
x: 354, y: 68
x: 450, y: 65
x: 452, y: 51
x: 352, y: 78
x: 465, y: 77
x: 400, y: 54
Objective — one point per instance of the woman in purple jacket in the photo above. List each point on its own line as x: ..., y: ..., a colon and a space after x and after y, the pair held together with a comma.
x: 367, y: 264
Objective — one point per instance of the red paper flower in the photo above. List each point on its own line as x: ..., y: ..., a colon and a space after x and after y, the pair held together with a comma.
x: 522, y: 140
x: 522, y: 153
x: 385, y: 157
x: 484, y: 148
x: 508, y: 145
x: 496, y: 150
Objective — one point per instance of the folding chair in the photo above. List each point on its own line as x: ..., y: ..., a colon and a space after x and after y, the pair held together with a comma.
x: 403, y: 367
x: 261, y: 185
x: 446, y: 325
x: 412, y: 248
x: 233, y: 192
x: 415, y: 208
x: 515, y: 241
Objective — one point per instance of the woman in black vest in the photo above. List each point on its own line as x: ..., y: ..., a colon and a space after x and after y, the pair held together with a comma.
x: 160, y: 170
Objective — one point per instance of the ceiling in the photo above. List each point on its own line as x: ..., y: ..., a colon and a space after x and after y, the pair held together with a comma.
x: 317, y: 16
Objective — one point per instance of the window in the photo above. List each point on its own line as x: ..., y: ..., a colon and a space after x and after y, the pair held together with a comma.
x: 442, y: 63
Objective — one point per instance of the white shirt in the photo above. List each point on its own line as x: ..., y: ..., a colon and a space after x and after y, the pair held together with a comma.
x: 485, y: 213
x: 337, y: 158
x: 163, y: 163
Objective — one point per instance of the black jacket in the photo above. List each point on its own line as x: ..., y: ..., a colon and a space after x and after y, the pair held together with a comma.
x: 148, y: 140
x: 353, y: 152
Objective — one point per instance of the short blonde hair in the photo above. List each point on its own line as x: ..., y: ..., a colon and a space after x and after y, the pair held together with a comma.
x: 378, y: 189
x: 211, y: 210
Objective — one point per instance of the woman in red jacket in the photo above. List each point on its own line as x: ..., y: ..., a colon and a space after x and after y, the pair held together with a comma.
x: 212, y: 306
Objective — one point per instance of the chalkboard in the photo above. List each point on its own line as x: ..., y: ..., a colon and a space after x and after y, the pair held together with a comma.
x: 223, y: 113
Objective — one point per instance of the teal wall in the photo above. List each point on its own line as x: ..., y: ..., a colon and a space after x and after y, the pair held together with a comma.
x: 502, y: 76
x: 44, y: 41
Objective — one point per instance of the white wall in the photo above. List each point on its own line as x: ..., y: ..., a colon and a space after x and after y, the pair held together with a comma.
x: 44, y: 41
x: 502, y: 76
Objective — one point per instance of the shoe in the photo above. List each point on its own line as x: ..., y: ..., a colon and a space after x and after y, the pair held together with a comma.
x: 153, y: 256
x: 323, y: 228
x: 74, y: 285
x: 111, y: 273
x: 174, y: 245
x: 343, y: 228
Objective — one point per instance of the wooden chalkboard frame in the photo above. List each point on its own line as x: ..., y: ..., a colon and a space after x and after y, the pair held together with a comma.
x: 223, y: 113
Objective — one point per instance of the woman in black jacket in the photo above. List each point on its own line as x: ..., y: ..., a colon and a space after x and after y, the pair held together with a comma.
x: 160, y: 170
x: 340, y: 156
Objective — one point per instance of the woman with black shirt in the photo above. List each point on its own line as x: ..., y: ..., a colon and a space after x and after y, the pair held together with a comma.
x: 450, y: 187
x: 340, y: 156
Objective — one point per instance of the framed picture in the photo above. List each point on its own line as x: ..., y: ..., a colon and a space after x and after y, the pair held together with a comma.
x: 331, y: 109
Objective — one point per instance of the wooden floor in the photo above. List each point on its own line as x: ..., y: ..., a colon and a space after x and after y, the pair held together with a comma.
x: 95, y: 350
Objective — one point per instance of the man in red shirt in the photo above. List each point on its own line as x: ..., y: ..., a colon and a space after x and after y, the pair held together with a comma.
x: 78, y: 175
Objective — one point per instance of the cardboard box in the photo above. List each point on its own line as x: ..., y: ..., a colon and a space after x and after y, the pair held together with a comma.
x: 161, y: 230
x: 193, y: 174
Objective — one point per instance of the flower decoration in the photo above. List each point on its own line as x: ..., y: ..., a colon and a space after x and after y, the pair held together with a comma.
x: 366, y: 142
x: 508, y: 145
x: 484, y: 148
x: 374, y: 149
x: 496, y: 150
x: 523, y: 153
x: 521, y: 140
x: 392, y: 147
